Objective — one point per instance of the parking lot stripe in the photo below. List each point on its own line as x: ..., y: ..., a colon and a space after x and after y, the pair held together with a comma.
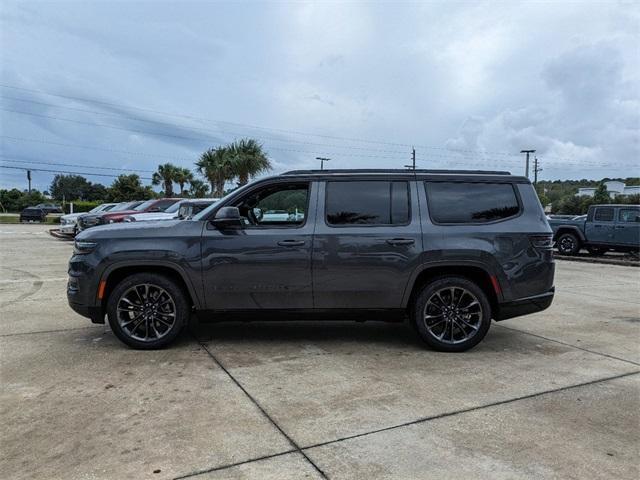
x: 472, y: 409
x: 262, y: 410
x: 570, y: 345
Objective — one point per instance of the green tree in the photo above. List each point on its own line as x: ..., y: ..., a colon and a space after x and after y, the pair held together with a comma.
x: 15, y: 200
x: 215, y: 166
x: 198, y: 188
x: 165, y: 175
x: 601, y: 195
x: 248, y: 159
x: 126, y: 188
x: 182, y: 177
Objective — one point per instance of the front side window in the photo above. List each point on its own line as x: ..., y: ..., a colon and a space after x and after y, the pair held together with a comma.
x: 630, y: 215
x: 604, y: 214
x: 466, y: 202
x: 283, y: 205
x: 367, y: 203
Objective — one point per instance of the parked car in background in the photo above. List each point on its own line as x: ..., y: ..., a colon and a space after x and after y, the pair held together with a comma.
x: 172, y: 212
x: 192, y: 207
x: 50, y: 208
x: 450, y: 250
x: 603, y: 228
x: 33, y: 214
x: 69, y: 222
x: 150, y: 206
x: 93, y: 219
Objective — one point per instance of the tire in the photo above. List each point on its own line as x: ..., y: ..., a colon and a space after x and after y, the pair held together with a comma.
x: 568, y: 244
x: 147, y: 325
x: 596, y: 250
x: 458, y: 325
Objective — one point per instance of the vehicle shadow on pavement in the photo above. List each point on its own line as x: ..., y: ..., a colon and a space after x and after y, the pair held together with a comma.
x: 390, y: 334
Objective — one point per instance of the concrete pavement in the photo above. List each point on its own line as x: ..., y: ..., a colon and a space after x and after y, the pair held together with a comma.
x: 551, y: 395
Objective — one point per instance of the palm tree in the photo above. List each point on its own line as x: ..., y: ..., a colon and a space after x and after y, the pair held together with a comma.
x: 181, y: 177
x: 165, y: 175
x: 198, y: 188
x: 215, y: 166
x: 248, y: 159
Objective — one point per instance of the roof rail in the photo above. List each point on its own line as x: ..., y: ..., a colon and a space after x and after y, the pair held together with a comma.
x: 394, y: 170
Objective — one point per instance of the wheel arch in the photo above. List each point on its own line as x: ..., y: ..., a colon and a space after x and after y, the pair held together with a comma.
x: 471, y: 271
x: 569, y: 229
x: 116, y: 273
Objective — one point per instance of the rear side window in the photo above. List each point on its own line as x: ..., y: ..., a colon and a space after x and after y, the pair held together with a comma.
x: 367, y: 203
x: 604, y: 214
x: 629, y: 215
x: 465, y: 202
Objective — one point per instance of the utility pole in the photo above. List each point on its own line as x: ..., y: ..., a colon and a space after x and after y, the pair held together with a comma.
x: 536, y: 169
x: 528, y: 152
x: 413, y: 159
x: 322, y: 160
x: 29, y: 179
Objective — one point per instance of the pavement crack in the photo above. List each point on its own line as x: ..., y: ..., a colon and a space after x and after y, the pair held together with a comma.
x: 470, y: 409
x: 296, y: 447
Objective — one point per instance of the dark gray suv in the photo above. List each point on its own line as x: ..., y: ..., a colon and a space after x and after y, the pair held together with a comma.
x: 449, y: 250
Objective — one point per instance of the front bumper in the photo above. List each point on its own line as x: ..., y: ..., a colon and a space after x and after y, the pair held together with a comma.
x: 81, y: 291
x: 524, y: 306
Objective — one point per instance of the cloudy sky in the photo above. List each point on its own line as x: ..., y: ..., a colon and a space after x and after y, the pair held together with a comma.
x: 106, y: 86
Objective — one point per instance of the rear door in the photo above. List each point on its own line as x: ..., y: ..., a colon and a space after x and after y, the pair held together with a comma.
x: 367, y: 242
x: 600, y: 228
x: 628, y: 226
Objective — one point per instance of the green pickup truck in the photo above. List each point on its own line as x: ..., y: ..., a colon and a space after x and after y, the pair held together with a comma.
x: 603, y: 228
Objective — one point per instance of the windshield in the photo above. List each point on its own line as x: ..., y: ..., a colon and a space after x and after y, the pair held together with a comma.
x: 122, y: 206
x: 205, y: 213
x: 174, y: 208
x: 144, y: 205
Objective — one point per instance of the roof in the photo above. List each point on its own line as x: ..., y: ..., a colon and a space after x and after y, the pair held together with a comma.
x: 394, y: 171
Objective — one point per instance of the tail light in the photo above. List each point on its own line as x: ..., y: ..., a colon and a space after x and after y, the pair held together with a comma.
x: 542, y: 242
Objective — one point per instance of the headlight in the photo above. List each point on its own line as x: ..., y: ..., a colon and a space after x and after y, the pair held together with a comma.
x: 111, y: 221
x: 81, y: 247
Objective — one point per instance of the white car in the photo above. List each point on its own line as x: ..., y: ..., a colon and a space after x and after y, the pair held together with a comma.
x: 69, y: 222
x: 174, y: 211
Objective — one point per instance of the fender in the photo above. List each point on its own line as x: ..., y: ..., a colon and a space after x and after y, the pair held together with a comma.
x: 444, y: 263
x: 572, y: 229
x: 195, y: 294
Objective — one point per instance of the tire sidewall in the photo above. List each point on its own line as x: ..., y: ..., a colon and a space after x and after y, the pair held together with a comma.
x: 576, y: 244
x: 428, y: 291
x: 179, y: 298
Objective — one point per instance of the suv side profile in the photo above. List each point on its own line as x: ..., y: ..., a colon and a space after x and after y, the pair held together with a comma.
x: 450, y: 250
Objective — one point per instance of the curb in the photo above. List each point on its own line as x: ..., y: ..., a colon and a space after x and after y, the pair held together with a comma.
x: 600, y: 260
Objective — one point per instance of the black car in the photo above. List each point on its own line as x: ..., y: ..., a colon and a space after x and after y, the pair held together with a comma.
x: 33, y: 214
x: 50, y: 208
x: 450, y: 250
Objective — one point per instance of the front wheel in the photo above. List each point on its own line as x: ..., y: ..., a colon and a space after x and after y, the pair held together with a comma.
x: 452, y: 314
x: 568, y: 244
x: 147, y: 311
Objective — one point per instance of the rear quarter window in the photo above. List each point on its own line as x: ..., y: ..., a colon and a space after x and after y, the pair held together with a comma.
x: 468, y: 202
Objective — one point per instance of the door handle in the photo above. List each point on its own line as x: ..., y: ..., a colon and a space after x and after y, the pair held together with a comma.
x: 598, y: 226
x: 401, y: 241
x: 291, y: 243
x: 619, y: 226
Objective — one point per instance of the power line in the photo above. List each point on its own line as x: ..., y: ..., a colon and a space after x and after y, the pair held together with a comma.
x: 20, y: 160
x: 255, y: 127
x: 66, y: 172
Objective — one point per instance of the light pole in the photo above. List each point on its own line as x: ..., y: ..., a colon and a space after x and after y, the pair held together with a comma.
x: 322, y: 160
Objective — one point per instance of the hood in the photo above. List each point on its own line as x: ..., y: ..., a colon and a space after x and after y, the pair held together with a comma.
x: 133, y: 229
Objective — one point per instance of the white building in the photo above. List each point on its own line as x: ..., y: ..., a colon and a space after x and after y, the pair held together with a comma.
x: 614, y: 188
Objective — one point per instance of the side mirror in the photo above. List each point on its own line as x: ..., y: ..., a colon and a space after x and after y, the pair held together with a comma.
x: 227, y: 217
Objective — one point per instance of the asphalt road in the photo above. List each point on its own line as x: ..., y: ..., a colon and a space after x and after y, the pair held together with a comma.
x: 551, y: 395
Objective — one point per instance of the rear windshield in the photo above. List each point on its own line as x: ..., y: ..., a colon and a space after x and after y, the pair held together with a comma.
x: 466, y: 202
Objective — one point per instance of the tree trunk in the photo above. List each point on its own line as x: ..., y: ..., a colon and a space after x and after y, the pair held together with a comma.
x: 220, y: 189
x: 168, y: 188
x: 243, y: 179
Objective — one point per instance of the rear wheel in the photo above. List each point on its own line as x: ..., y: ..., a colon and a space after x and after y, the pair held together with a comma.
x: 452, y: 314
x: 147, y: 311
x: 568, y: 244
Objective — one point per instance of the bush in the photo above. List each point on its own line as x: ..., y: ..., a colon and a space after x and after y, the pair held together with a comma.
x: 81, y: 206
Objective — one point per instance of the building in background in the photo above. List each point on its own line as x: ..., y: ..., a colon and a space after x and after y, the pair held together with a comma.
x: 614, y: 187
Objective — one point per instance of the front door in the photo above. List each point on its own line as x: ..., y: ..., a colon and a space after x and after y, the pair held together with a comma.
x: 367, y: 243
x: 628, y: 226
x: 600, y: 228
x: 265, y: 264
